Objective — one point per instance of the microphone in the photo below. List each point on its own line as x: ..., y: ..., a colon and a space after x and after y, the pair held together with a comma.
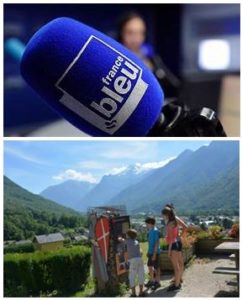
x: 94, y: 82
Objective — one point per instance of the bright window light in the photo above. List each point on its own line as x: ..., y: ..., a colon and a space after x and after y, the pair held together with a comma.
x: 214, y: 55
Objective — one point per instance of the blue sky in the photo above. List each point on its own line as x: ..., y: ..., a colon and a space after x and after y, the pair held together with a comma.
x: 36, y: 165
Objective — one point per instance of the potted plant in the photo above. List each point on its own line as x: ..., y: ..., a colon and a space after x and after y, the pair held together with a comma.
x: 188, y: 239
x: 208, y: 240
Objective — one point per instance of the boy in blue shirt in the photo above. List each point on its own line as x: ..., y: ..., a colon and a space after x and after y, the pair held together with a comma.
x: 153, y: 254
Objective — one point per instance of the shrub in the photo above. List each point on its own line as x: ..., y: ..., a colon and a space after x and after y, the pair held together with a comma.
x: 12, y: 277
x: 192, y: 229
x: 188, y: 239
x: 65, y: 271
x: 202, y: 235
x: 215, y: 232
x: 22, y: 248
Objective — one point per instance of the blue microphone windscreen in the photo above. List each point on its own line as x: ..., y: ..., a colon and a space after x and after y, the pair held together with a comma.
x: 91, y: 80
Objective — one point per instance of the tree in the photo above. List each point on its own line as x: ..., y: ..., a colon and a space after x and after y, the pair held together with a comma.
x: 227, y: 223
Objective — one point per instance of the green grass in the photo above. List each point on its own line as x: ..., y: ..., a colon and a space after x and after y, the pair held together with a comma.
x: 89, y: 289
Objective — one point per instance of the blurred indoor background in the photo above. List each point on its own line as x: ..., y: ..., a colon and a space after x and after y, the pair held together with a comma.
x: 198, y: 43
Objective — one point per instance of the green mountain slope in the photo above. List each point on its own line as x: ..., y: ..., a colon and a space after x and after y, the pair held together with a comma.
x: 27, y: 214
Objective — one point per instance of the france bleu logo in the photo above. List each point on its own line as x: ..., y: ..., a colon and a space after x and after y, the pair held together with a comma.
x: 113, y: 87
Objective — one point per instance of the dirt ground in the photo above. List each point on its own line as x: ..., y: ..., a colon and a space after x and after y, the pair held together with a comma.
x: 199, y: 280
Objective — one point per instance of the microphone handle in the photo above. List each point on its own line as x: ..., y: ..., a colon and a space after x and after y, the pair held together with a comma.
x: 178, y: 121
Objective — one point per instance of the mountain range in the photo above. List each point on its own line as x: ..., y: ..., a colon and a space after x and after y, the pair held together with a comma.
x: 201, y: 180
x: 82, y: 195
x: 68, y: 193
x: 207, y: 178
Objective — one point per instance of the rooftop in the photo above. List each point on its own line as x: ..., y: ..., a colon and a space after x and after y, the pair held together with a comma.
x: 49, y: 238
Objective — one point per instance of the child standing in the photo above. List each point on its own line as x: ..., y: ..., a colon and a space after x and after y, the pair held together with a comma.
x: 181, y: 225
x: 175, y: 246
x: 153, y: 254
x: 136, y: 264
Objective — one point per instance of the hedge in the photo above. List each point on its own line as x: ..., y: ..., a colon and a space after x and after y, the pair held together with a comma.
x: 41, y: 273
x: 21, y: 248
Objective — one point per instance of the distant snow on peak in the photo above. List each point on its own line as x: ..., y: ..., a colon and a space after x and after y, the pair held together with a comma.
x: 117, y: 171
x: 139, y: 168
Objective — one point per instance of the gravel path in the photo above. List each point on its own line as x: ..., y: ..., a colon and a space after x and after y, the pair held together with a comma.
x: 199, y: 280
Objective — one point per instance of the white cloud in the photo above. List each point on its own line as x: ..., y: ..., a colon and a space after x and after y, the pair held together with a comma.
x: 23, y: 155
x: 71, y: 174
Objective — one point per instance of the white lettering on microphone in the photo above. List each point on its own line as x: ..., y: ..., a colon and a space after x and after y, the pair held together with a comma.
x: 121, y: 90
x: 121, y: 86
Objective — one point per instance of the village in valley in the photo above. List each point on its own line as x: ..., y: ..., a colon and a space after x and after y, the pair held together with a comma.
x: 214, y: 228
x: 55, y: 241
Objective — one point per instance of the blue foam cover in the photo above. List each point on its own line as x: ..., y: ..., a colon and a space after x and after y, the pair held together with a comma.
x: 94, y: 82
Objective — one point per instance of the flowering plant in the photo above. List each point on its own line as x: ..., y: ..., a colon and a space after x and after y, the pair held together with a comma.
x: 216, y: 232
x: 234, y: 231
x: 189, y: 237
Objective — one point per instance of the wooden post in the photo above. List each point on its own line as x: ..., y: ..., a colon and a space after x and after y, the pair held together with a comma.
x: 112, y: 286
x: 113, y: 283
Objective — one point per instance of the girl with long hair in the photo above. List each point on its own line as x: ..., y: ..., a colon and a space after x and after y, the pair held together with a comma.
x: 175, y: 246
x: 183, y: 226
